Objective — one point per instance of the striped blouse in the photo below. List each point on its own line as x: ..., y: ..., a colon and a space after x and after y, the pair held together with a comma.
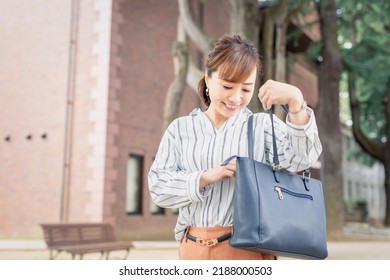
x: 191, y: 145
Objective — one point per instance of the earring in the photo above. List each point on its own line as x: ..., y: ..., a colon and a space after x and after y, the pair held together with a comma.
x: 207, y: 91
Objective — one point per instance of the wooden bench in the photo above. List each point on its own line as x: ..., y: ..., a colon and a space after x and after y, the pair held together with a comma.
x: 82, y: 238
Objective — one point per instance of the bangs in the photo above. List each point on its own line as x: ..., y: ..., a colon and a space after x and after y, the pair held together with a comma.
x: 237, y: 69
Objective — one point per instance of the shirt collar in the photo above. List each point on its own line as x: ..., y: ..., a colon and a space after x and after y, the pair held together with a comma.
x: 197, y: 113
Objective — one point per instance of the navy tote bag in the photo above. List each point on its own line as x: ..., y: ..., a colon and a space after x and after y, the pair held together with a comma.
x: 277, y: 212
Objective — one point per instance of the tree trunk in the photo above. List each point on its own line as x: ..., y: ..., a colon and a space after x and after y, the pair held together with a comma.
x: 281, y: 64
x: 386, y: 156
x: 176, y: 88
x: 245, y: 20
x: 268, y: 46
x: 268, y: 28
x: 328, y: 118
x: 281, y: 59
x: 386, y: 164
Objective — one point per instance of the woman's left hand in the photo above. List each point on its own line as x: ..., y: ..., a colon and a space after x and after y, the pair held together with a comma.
x: 273, y: 92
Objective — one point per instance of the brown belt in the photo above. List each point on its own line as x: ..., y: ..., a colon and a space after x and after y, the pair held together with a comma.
x: 208, y: 242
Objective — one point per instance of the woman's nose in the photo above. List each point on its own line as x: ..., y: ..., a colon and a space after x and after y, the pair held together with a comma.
x: 235, y: 96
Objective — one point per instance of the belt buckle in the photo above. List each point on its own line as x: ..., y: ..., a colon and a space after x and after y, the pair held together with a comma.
x: 207, y: 242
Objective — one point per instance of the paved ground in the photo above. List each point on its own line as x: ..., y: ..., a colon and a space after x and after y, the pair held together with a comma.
x: 35, y: 250
x: 358, y: 243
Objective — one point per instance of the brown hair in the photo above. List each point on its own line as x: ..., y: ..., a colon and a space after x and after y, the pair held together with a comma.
x: 235, y: 57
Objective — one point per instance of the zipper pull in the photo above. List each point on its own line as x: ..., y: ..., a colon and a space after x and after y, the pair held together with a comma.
x: 279, y: 191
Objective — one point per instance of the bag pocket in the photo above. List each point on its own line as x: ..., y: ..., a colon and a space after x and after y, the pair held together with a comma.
x: 280, y: 190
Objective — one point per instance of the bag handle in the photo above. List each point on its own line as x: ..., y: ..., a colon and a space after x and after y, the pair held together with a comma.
x: 250, y: 138
x: 275, y: 163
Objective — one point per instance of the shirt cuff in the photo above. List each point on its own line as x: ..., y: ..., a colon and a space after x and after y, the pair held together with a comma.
x: 194, y: 191
x: 305, y: 130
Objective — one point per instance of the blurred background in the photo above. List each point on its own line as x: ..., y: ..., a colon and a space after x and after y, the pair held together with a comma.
x: 88, y: 86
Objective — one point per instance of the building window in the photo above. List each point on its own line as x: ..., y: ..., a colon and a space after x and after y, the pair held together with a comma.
x: 350, y: 193
x: 358, y: 190
x: 372, y: 195
x: 134, y: 184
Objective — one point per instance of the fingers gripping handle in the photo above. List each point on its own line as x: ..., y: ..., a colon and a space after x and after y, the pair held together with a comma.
x: 226, y: 162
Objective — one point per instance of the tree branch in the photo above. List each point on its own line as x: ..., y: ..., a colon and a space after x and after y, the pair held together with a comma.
x: 193, y: 76
x: 200, y: 38
x: 374, y: 149
x: 176, y: 88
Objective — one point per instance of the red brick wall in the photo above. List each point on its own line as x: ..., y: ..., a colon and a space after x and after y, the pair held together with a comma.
x: 32, y: 91
x: 303, y: 75
x: 148, y: 32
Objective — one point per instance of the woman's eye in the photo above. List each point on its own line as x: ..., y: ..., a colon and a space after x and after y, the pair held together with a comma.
x: 246, y: 90
x: 226, y: 87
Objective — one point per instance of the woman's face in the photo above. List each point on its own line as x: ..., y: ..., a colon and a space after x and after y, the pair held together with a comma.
x: 228, y: 98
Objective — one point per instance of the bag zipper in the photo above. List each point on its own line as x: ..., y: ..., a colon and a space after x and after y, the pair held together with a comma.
x: 281, y: 190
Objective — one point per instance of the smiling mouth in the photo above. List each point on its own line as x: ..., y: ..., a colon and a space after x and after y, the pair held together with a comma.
x: 231, y: 107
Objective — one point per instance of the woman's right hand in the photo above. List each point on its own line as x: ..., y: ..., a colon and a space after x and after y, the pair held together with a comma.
x: 218, y: 174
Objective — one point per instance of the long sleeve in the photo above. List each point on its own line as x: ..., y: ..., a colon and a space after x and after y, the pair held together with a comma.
x: 171, y: 187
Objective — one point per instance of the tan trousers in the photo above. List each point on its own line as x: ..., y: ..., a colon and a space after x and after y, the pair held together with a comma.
x: 190, y: 250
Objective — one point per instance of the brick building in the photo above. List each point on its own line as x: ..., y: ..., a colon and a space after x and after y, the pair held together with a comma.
x: 82, y: 88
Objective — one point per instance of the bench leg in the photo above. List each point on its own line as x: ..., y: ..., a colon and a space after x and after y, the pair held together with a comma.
x: 125, y: 257
x: 127, y: 254
x: 74, y: 256
x: 53, y: 255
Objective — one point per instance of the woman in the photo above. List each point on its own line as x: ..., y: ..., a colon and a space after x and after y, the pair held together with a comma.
x: 187, y: 172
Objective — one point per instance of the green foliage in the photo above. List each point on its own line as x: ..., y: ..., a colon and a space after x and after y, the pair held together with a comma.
x: 314, y: 51
x: 359, y: 156
x: 361, y: 206
x: 365, y: 44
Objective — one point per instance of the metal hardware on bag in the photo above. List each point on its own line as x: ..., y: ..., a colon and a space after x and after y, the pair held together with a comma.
x: 207, y: 242
x: 304, y: 175
x: 279, y: 191
x: 276, y: 167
